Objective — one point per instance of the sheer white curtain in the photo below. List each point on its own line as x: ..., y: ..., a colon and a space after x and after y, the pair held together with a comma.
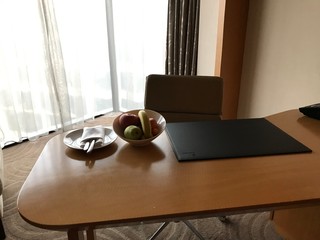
x: 139, y: 50
x: 65, y: 61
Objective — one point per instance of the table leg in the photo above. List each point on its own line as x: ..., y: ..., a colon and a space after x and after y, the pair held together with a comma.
x: 91, y: 234
x: 75, y: 234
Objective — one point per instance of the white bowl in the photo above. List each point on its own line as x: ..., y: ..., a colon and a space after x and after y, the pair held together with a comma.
x: 151, y: 114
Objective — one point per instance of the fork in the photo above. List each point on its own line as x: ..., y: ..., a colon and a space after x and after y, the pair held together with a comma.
x: 91, y: 146
x: 86, y: 146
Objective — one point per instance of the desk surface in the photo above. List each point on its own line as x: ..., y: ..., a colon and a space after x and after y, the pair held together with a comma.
x: 121, y: 184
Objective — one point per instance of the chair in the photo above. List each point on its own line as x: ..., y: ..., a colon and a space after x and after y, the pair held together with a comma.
x: 182, y: 99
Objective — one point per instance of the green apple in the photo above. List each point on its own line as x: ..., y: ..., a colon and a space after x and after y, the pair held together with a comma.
x: 133, y: 132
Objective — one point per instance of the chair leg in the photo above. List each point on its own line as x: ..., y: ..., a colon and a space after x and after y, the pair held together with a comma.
x: 156, y: 233
x: 2, y: 233
x: 192, y: 228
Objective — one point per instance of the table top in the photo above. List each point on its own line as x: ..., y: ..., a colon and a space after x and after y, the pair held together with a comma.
x: 121, y: 184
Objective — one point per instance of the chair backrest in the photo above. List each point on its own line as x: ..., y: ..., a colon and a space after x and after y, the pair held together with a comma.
x: 184, y: 98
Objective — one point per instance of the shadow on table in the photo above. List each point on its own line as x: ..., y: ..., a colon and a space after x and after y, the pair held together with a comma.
x: 90, y: 158
x: 141, y: 157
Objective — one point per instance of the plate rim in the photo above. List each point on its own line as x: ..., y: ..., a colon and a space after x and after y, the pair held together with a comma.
x: 67, y: 136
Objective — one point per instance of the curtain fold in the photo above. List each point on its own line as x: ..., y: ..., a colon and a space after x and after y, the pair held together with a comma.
x: 55, y: 66
x: 182, y: 37
x: 28, y: 102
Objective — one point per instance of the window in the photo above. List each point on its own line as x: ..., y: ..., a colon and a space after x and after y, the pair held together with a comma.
x: 83, y: 59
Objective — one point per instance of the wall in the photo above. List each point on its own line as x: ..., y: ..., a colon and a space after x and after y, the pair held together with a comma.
x: 281, y: 68
x: 227, y: 24
x: 207, y: 36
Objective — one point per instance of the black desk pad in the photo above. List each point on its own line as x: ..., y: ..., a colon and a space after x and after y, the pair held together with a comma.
x: 230, y: 139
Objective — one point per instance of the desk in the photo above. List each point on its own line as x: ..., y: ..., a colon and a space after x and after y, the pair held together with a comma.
x: 121, y: 185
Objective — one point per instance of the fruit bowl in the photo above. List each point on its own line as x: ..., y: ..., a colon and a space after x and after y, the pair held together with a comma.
x: 119, y: 130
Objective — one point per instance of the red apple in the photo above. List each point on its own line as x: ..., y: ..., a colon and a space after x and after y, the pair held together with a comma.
x: 154, y: 126
x: 127, y: 119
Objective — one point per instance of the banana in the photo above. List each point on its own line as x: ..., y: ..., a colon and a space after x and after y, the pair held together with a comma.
x: 145, y: 123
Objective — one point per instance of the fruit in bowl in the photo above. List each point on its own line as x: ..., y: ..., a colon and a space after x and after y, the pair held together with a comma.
x: 127, y: 119
x: 133, y: 132
x: 139, y: 127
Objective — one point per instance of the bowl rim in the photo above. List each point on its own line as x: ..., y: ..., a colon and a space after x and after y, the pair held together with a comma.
x: 139, y: 141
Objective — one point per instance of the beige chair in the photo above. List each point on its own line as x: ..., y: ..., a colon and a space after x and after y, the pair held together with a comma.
x: 181, y: 99
x: 184, y: 98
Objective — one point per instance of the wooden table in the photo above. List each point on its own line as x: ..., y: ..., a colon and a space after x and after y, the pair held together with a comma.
x: 120, y: 184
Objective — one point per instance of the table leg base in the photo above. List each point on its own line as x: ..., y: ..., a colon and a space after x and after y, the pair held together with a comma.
x: 75, y: 234
x: 189, y: 225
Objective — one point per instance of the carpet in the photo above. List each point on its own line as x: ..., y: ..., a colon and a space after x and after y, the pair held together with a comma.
x: 19, y: 160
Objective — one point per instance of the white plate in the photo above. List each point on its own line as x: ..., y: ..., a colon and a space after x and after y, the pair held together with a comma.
x: 73, y: 139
